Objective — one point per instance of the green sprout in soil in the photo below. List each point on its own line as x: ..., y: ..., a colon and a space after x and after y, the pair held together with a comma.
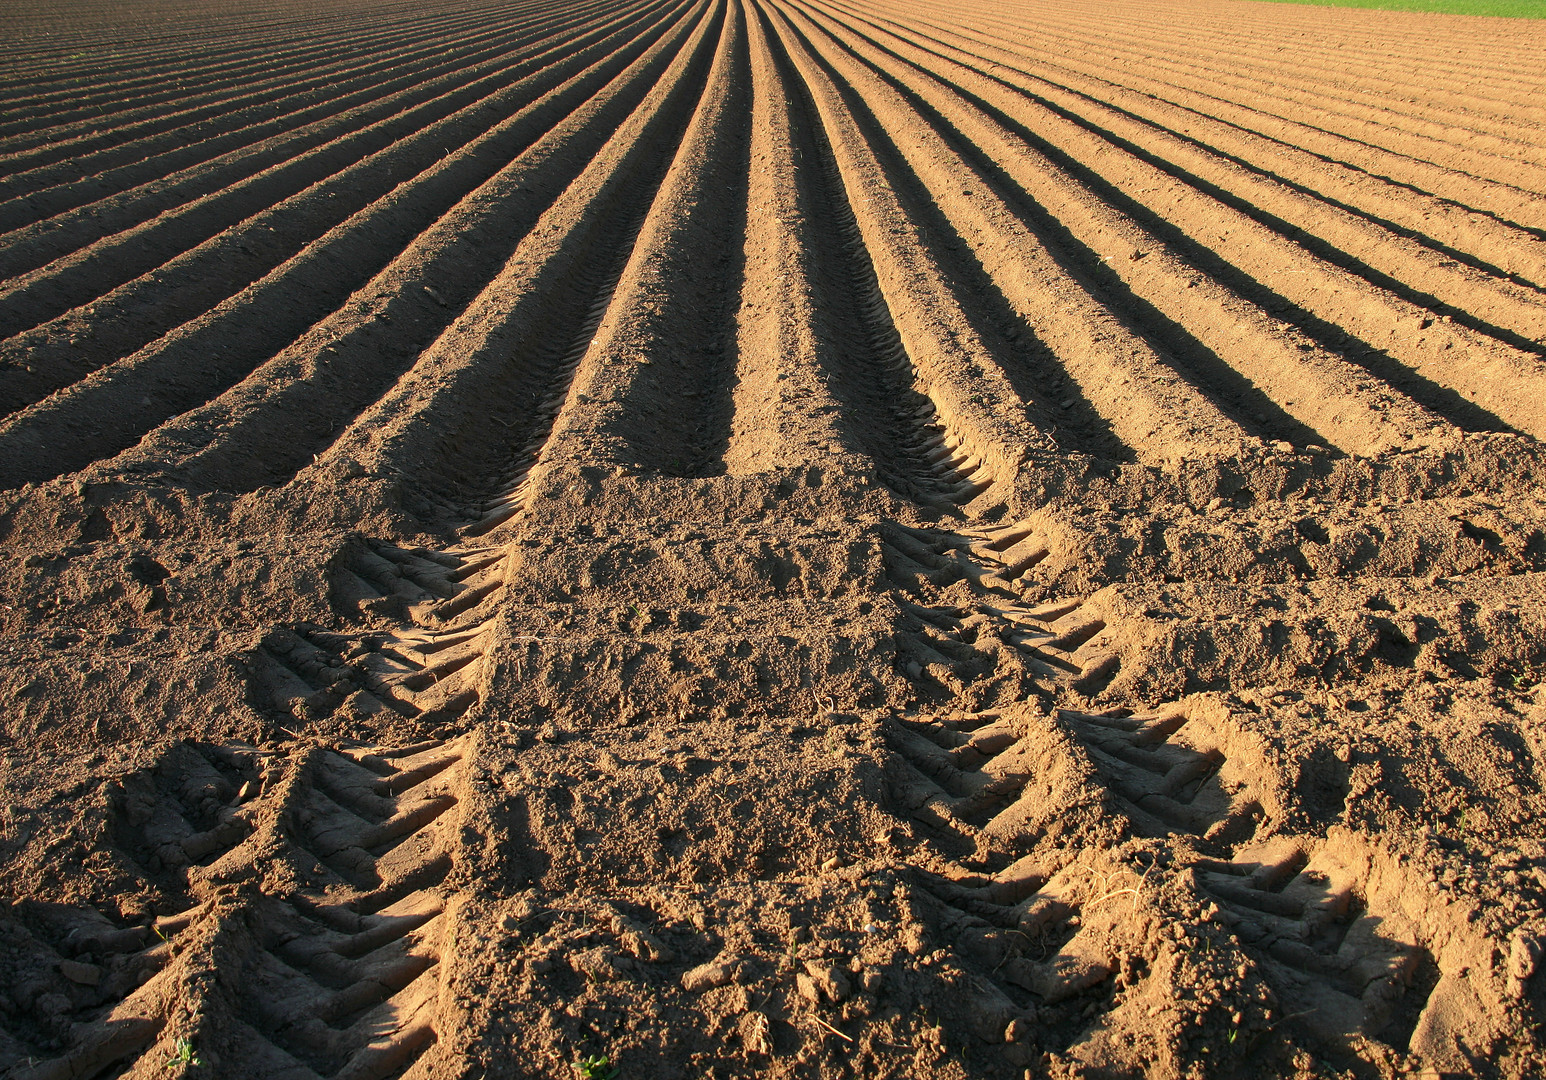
x: 183, y: 1054
x: 596, y: 1067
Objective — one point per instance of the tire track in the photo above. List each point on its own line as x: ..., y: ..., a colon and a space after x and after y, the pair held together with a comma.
x: 427, y: 668
x: 1360, y: 970
x: 335, y: 936
x: 105, y: 975
x: 983, y: 784
x: 1354, y: 952
x: 1168, y: 771
x: 981, y: 433
x: 465, y: 425
x: 976, y: 623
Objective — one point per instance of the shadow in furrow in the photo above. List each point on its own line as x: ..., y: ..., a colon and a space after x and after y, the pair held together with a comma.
x: 1030, y: 365
x: 79, y: 213
x: 885, y: 412
x: 284, y: 81
x: 182, y: 265
x: 514, y: 355
x: 1211, y: 374
x: 1432, y: 243
x: 34, y: 191
x: 1442, y: 400
x: 1315, y: 245
x: 1451, y: 195
x: 460, y: 273
x: 576, y: 309
x: 231, y: 343
x: 677, y: 413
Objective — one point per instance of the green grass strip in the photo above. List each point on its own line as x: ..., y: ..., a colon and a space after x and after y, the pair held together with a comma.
x: 1512, y: 9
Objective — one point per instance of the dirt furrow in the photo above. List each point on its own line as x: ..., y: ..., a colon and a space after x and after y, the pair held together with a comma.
x: 1510, y: 205
x: 786, y: 414
x: 369, y: 190
x: 995, y: 316
x: 1450, y: 230
x: 822, y: 378
x: 92, y: 208
x: 1292, y: 274
x: 350, y: 170
x: 982, y: 431
x: 1472, y: 90
x: 238, y: 102
x: 98, y: 152
x: 373, y: 161
x: 263, y: 319
x: 1347, y: 46
x: 1126, y: 383
x: 280, y: 110
x: 1510, y: 161
x: 899, y: 412
x: 289, y: 408
x: 1366, y: 130
x: 1344, y: 75
x: 1421, y: 104
x: 461, y: 429
x: 1201, y: 324
x: 360, y: 60
x: 1493, y: 135
x: 653, y: 388
x: 146, y: 77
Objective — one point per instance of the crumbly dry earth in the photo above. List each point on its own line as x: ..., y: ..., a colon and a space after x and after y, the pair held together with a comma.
x: 782, y: 538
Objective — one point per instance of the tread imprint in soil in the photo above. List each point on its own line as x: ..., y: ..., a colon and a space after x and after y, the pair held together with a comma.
x: 332, y: 907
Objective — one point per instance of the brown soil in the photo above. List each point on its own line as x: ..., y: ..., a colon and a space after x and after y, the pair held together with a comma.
x: 791, y: 538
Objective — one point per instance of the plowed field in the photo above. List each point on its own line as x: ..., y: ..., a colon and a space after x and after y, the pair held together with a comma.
x: 790, y: 538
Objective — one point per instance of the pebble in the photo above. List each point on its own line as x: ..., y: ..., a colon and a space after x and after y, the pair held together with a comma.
x: 706, y: 976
